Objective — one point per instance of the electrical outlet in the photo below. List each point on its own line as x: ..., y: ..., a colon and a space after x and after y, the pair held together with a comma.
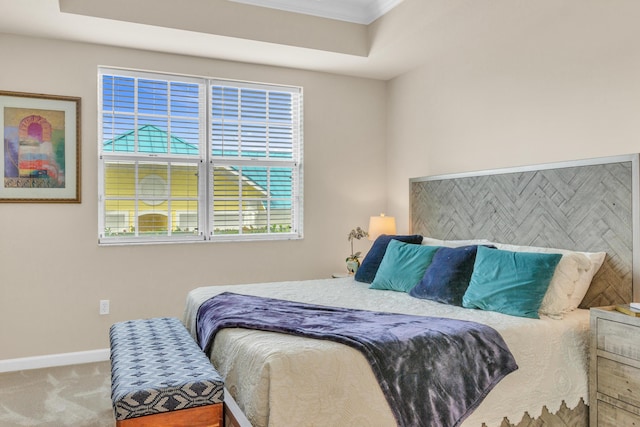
x: 104, y: 306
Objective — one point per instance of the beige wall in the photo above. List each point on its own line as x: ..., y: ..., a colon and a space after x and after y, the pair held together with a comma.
x: 516, y: 85
x: 52, y: 272
x: 497, y: 84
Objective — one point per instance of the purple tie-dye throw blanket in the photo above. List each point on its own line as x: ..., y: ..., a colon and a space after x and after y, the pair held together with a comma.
x: 433, y: 371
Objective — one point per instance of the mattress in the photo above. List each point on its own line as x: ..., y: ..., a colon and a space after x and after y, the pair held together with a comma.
x: 281, y: 380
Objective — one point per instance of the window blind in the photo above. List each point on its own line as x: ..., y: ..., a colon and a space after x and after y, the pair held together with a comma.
x: 186, y: 158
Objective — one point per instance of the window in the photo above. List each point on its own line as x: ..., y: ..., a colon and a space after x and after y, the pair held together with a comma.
x: 194, y: 159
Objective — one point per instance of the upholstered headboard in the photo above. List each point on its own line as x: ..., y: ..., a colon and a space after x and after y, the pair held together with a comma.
x: 587, y: 205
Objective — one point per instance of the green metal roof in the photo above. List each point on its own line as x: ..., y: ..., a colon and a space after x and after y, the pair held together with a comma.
x: 151, y: 139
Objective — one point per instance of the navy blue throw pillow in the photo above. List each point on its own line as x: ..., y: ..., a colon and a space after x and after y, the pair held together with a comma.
x: 447, y: 277
x: 371, y: 262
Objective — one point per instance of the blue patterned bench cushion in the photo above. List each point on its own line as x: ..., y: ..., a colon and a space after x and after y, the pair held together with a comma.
x: 157, y: 367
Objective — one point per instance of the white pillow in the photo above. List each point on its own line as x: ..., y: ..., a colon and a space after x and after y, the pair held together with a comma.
x: 454, y: 243
x: 571, y: 280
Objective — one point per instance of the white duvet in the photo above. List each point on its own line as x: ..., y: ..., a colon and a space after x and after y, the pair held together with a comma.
x: 280, y: 380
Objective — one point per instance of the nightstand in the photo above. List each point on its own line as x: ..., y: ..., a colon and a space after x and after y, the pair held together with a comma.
x: 614, y: 372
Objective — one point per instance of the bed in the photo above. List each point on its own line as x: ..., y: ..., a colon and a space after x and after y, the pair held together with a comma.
x: 591, y: 206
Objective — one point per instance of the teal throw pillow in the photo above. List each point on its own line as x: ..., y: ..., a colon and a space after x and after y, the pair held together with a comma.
x: 403, y: 266
x: 510, y: 282
x: 370, y: 264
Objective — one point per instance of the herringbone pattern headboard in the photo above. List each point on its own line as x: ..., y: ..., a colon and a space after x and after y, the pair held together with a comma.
x: 585, y: 206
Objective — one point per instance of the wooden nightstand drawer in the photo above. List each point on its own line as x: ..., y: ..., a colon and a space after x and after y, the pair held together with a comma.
x: 609, y: 415
x: 614, y: 373
x: 614, y: 337
x: 619, y: 381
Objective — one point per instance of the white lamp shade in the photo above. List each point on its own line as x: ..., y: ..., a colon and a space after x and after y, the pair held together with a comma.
x: 381, y: 225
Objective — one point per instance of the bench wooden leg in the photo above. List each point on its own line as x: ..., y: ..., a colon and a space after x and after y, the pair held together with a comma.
x: 202, y: 416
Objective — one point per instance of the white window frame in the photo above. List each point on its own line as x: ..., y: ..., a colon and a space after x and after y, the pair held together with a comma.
x: 205, y: 161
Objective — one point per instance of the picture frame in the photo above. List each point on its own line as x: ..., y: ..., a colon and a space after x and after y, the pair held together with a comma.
x: 41, y: 148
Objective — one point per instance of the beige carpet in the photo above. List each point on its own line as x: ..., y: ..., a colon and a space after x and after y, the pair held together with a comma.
x: 77, y: 395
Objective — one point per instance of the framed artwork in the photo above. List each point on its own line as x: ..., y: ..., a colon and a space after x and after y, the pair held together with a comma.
x: 41, y: 149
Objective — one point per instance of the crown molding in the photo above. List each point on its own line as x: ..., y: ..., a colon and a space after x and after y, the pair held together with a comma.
x: 354, y: 11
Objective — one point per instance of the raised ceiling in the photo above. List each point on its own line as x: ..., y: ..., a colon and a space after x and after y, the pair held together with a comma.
x: 412, y: 33
x: 233, y: 31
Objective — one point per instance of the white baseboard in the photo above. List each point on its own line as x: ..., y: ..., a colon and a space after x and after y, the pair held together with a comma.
x: 51, y: 360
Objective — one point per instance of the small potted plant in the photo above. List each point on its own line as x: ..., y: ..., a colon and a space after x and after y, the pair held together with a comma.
x: 353, y: 261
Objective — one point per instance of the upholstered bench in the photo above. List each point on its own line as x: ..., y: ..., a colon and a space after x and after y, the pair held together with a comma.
x: 159, y: 376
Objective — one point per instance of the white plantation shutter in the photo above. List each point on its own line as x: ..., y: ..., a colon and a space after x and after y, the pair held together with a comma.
x: 197, y: 159
x: 255, y: 159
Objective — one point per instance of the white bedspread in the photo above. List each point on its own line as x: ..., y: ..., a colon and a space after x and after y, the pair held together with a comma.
x: 280, y: 380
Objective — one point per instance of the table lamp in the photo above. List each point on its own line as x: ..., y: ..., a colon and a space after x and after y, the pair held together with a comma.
x: 381, y: 225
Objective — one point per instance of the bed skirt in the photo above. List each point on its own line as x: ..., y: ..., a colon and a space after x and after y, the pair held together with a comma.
x: 576, y: 417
